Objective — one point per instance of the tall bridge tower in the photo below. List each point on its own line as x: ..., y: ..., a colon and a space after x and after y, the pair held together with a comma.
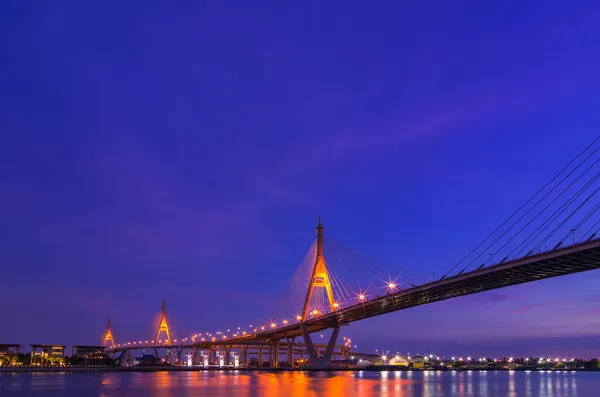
x: 163, y: 327
x: 319, y: 279
x: 108, y: 337
x: 320, y: 276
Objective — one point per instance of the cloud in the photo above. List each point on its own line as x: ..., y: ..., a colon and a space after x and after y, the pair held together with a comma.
x: 525, y: 309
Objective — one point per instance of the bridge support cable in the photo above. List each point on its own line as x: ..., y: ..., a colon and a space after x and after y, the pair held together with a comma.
x: 561, y: 224
x: 521, y: 207
x: 591, y: 232
x: 350, y: 276
x: 537, y: 233
x: 301, y: 279
x: 342, y: 273
x: 547, y: 192
x: 376, y: 267
x: 558, y: 212
x: 583, y: 222
x: 359, y: 267
x: 592, y: 211
x: 352, y: 272
x: 535, y: 206
x: 338, y: 285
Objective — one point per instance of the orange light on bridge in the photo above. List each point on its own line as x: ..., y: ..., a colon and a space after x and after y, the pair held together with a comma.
x: 391, y: 286
x: 273, y: 325
x: 298, y: 318
x: 285, y: 321
x: 361, y: 297
x: 336, y: 305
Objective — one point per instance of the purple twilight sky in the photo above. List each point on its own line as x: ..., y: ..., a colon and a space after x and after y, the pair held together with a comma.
x: 153, y: 150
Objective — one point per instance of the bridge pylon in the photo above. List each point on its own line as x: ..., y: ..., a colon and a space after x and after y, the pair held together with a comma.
x: 109, y: 341
x: 320, y: 277
x: 163, y: 327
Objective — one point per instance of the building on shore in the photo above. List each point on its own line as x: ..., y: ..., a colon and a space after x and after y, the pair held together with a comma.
x: 9, y: 353
x: 89, y: 355
x: 87, y: 351
x: 47, y: 354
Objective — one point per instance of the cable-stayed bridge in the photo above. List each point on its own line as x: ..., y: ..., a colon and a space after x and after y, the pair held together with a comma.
x: 553, y: 234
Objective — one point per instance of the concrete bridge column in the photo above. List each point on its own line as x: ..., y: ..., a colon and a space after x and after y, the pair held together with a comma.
x: 244, y: 355
x: 275, y: 354
x: 270, y: 357
x: 315, y: 360
x: 260, y: 355
x: 227, y: 355
x: 179, y: 350
x: 326, y: 360
x: 290, y: 351
x: 344, y: 353
x: 194, y: 356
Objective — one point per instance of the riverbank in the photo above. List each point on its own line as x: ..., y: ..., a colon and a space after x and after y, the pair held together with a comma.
x: 92, y: 369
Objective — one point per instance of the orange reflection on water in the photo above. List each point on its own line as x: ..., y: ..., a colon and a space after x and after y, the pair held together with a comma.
x: 313, y: 384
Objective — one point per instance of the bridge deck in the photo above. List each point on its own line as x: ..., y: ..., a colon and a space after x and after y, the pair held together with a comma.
x: 574, y: 259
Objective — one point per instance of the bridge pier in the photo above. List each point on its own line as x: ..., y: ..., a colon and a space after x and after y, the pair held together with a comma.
x: 227, y: 355
x: 244, y: 355
x: 260, y: 356
x: 194, y: 356
x: 344, y: 354
x: 290, y: 352
x: 275, y: 354
x: 270, y: 356
x: 179, y: 350
x: 315, y: 360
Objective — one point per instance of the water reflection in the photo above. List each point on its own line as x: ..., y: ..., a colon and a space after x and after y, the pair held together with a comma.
x: 301, y: 384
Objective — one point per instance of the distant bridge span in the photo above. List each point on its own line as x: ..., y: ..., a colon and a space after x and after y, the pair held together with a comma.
x: 324, y: 299
x: 560, y: 262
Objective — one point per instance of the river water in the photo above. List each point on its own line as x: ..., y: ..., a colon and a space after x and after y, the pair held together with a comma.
x: 301, y: 384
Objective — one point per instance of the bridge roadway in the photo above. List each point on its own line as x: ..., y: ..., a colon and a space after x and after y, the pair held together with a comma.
x: 573, y: 259
x: 259, y: 348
